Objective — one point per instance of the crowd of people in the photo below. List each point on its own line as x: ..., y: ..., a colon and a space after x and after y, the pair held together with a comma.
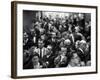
x: 58, y: 42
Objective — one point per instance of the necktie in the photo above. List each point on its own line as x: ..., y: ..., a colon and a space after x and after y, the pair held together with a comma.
x: 40, y: 53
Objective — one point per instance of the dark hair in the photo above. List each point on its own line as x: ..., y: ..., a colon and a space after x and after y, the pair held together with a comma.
x: 36, y: 54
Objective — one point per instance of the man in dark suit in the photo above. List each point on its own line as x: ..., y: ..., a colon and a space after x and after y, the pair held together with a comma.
x: 41, y: 50
x: 48, y: 59
x: 34, y: 35
x: 61, y: 59
x: 53, y: 41
x: 27, y: 43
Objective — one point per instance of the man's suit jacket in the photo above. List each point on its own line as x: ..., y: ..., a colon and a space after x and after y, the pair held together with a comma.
x: 61, y: 61
x: 49, y: 60
x: 42, y: 53
x: 55, y: 45
x: 28, y: 44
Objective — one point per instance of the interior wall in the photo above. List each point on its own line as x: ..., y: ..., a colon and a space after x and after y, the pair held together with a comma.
x: 5, y: 40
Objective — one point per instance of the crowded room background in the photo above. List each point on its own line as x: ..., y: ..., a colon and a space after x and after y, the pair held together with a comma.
x: 56, y: 39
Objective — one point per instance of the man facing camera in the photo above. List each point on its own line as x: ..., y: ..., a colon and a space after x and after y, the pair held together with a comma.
x: 61, y: 59
x: 41, y: 50
x: 48, y: 58
x: 36, y: 64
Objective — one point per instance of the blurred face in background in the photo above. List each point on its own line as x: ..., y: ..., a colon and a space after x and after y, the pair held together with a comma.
x: 63, y: 51
x: 25, y: 35
x: 31, y: 50
x: 53, y: 37
x: 40, y: 44
x: 81, y: 16
x: 37, y: 27
x: 50, y: 26
x: 37, y: 23
x: 88, y: 63
x: 67, y: 42
x: 32, y: 31
x: 82, y: 63
x: 35, y: 60
x: 87, y: 26
x: 75, y: 58
x: 77, y: 44
x: 60, y: 27
x: 67, y: 35
x: 41, y: 31
x: 77, y: 29
x: 49, y: 50
x: 83, y: 46
x: 86, y: 23
x: 43, y: 37
x: 25, y: 38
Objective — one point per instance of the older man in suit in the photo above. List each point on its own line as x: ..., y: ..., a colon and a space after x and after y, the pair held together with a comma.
x: 61, y: 59
x: 48, y: 59
x: 84, y: 51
